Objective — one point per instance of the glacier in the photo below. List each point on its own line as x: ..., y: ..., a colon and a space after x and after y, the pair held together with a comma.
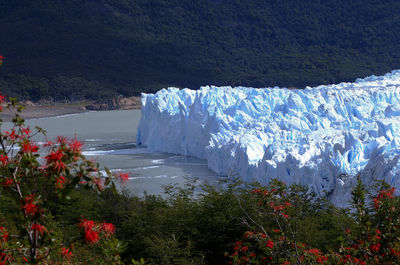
x: 320, y: 137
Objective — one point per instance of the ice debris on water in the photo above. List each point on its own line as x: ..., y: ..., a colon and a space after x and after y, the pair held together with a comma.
x: 320, y: 137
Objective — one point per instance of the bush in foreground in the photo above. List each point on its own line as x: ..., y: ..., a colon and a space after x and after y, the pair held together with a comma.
x: 374, y: 239
x: 33, y: 184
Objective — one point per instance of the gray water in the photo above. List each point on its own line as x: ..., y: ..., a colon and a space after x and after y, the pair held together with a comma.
x: 109, y: 137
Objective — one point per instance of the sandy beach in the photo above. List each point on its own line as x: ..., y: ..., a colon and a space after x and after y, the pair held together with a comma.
x: 33, y: 112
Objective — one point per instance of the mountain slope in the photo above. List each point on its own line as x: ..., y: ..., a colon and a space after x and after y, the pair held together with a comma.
x: 73, y: 49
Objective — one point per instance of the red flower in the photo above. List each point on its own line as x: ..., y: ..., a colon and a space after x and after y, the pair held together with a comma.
x: 12, y: 135
x: 31, y: 208
x: 55, y: 158
x: 375, y: 247
x: 91, y: 236
x: 26, y: 131
x: 245, y: 248
x: 123, y: 177
x: 321, y: 260
x: 279, y: 208
x: 315, y: 252
x: 386, y: 194
x: 48, y: 143
x: 108, y: 228
x: 394, y: 252
x: 285, y: 215
x: 60, y: 182
x: 4, y: 160
x: 59, y: 166
x: 61, y: 140
x: 86, y: 224
x: 75, y: 145
x: 269, y: 244
x: 29, y: 147
x: 39, y: 228
x: 7, y: 182
x: 3, y: 234
x: 248, y: 234
x: 376, y: 203
x: 66, y: 253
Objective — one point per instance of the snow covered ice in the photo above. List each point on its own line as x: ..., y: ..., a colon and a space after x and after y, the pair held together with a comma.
x: 320, y: 137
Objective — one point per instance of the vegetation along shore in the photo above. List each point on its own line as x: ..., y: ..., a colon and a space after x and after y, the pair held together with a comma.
x: 40, y: 109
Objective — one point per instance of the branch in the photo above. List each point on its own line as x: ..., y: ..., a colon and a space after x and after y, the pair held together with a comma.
x: 251, y: 219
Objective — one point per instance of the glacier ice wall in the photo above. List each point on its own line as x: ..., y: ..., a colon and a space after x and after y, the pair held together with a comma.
x: 320, y: 137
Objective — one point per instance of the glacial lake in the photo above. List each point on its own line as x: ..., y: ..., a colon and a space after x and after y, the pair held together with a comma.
x: 109, y: 138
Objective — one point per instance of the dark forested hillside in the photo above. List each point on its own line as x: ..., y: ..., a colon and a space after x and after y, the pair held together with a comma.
x: 71, y: 49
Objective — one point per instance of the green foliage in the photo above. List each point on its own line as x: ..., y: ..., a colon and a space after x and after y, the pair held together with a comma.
x: 138, y: 262
x: 187, y: 228
x: 374, y: 239
x: 72, y: 49
x: 358, y: 197
x: 34, y: 186
x: 183, y: 227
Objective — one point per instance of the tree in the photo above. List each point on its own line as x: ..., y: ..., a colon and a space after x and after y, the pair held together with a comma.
x: 375, y: 239
x: 34, y: 176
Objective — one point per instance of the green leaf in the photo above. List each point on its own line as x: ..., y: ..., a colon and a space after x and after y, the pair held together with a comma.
x: 107, y: 171
x: 107, y: 181
x: 113, y: 188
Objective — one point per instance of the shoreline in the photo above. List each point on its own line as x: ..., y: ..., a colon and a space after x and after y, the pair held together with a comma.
x: 36, y: 111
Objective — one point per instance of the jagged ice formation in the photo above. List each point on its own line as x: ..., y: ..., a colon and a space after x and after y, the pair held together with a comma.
x: 320, y: 137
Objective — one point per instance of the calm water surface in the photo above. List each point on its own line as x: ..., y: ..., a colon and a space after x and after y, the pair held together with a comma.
x: 109, y: 137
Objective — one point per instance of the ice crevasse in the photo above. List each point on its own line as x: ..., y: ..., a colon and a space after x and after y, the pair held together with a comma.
x: 320, y: 137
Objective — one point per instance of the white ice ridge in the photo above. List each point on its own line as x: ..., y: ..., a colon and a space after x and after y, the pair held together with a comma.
x: 320, y: 137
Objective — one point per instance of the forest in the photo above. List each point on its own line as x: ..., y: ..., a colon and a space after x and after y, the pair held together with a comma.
x: 84, y: 49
